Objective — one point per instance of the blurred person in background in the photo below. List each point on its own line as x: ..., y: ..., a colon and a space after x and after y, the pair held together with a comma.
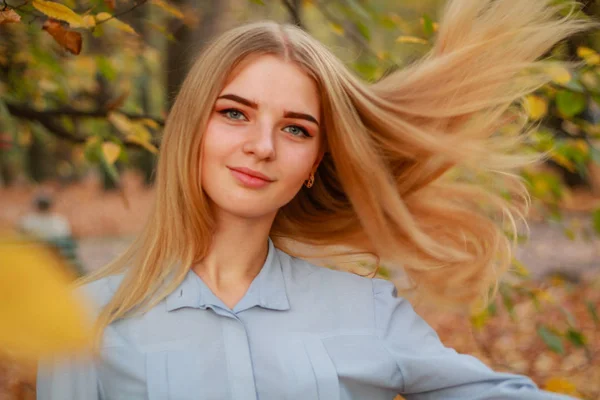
x: 271, y: 143
x: 50, y: 227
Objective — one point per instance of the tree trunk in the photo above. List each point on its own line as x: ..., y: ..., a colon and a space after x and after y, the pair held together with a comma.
x: 189, y: 42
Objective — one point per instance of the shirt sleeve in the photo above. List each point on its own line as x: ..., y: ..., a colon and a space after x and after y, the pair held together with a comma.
x: 431, y: 371
x: 67, y: 379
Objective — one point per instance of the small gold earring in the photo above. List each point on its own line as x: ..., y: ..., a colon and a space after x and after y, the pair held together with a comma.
x: 311, y: 180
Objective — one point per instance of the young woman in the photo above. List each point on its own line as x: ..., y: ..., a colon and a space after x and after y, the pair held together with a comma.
x: 271, y: 143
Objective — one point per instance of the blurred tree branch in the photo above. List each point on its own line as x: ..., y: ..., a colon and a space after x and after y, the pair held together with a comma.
x: 294, y: 8
x: 30, y: 113
x: 349, y: 29
x: 46, y: 119
x: 121, y: 13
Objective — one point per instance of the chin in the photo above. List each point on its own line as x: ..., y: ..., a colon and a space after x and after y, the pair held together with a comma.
x: 247, y: 207
x: 249, y: 212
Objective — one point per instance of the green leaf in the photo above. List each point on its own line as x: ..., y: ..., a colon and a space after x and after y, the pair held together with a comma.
x: 98, y: 31
x: 259, y: 2
x: 105, y: 68
x: 568, y: 314
x: 570, y: 103
x: 552, y: 340
x: 519, y: 269
x: 363, y: 30
x: 507, y: 300
x: 576, y: 337
x: 596, y: 220
x: 110, y: 169
x: 592, y: 310
x: 384, y: 272
x: 367, y: 70
x: 569, y: 233
x: 92, y: 150
x: 359, y: 9
x: 387, y: 23
x: 492, y: 309
x: 534, y: 298
x: 6, y: 119
x: 428, y: 28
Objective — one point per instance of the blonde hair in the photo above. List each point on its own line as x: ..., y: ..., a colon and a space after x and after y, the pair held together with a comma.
x: 381, y: 187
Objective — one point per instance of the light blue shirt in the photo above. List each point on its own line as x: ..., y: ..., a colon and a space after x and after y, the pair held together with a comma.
x: 300, y: 332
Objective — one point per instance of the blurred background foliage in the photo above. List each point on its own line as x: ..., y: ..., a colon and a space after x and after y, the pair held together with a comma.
x: 85, y: 86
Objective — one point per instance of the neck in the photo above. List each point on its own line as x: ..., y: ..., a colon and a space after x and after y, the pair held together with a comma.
x: 237, y: 252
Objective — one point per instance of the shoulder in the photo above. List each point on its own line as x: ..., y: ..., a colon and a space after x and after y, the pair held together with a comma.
x: 303, y: 269
x: 100, y: 291
x: 300, y: 272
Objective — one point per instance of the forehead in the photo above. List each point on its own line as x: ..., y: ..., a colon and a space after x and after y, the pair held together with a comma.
x: 274, y: 83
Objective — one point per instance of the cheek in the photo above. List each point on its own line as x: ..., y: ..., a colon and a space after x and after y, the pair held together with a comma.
x: 216, y: 142
x: 299, y: 164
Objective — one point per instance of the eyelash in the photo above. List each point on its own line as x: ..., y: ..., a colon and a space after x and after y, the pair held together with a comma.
x: 228, y: 110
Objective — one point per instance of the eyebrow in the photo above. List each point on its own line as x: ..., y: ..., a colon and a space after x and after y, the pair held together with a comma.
x: 254, y: 105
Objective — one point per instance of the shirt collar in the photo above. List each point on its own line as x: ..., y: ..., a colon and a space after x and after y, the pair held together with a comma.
x: 267, y: 290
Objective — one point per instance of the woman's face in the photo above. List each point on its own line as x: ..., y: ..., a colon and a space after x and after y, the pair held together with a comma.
x: 263, y: 138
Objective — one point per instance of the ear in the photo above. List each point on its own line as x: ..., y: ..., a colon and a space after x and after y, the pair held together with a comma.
x: 318, y: 160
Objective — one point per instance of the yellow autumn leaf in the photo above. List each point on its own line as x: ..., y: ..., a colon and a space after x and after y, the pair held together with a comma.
x: 582, y: 146
x: 383, y: 55
x: 540, y: 188
x: 559, y: 74
x: 135, y: 132
x: 24, y: 136
x: 563, y: 161
x: 143, y: 137
x: 557, y: 280
x: 89, y: 21
x: 590, y: 79
x: 39, y: 311
x: 169, y: 8
x: 150, y: 123
x: 480, y: 319
x: 536, y: 107
x: 337, y: 28
x: 411, y: 39
x: 111, y: 151
x: 121, y: 122
x: 114, y: 22
x: 558, y: 384
x: 91, y: 141
x: 520, y: 269
x: 544, y: 296
x: 590, y: 56
x: 60, y: 12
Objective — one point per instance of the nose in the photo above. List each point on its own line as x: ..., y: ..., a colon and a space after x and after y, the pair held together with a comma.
x: 261, y: 142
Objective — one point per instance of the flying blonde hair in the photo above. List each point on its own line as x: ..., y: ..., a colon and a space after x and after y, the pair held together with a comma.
x: 381, y: 187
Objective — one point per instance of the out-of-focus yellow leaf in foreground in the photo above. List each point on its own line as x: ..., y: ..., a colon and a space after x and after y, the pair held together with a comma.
x: 558, y: 384
x: 39, y: 312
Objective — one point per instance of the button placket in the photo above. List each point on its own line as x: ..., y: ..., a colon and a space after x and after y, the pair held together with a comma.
x: 239, y: 360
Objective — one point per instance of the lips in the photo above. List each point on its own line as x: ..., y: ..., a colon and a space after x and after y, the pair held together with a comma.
x: 252, y: 173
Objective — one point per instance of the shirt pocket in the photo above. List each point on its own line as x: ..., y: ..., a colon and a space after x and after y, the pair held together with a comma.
x: 186, y: 375
x: 309, y: 371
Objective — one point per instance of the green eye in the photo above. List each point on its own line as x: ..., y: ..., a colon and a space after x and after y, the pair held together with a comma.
x: 233, y: 114
x: 296, y: 130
